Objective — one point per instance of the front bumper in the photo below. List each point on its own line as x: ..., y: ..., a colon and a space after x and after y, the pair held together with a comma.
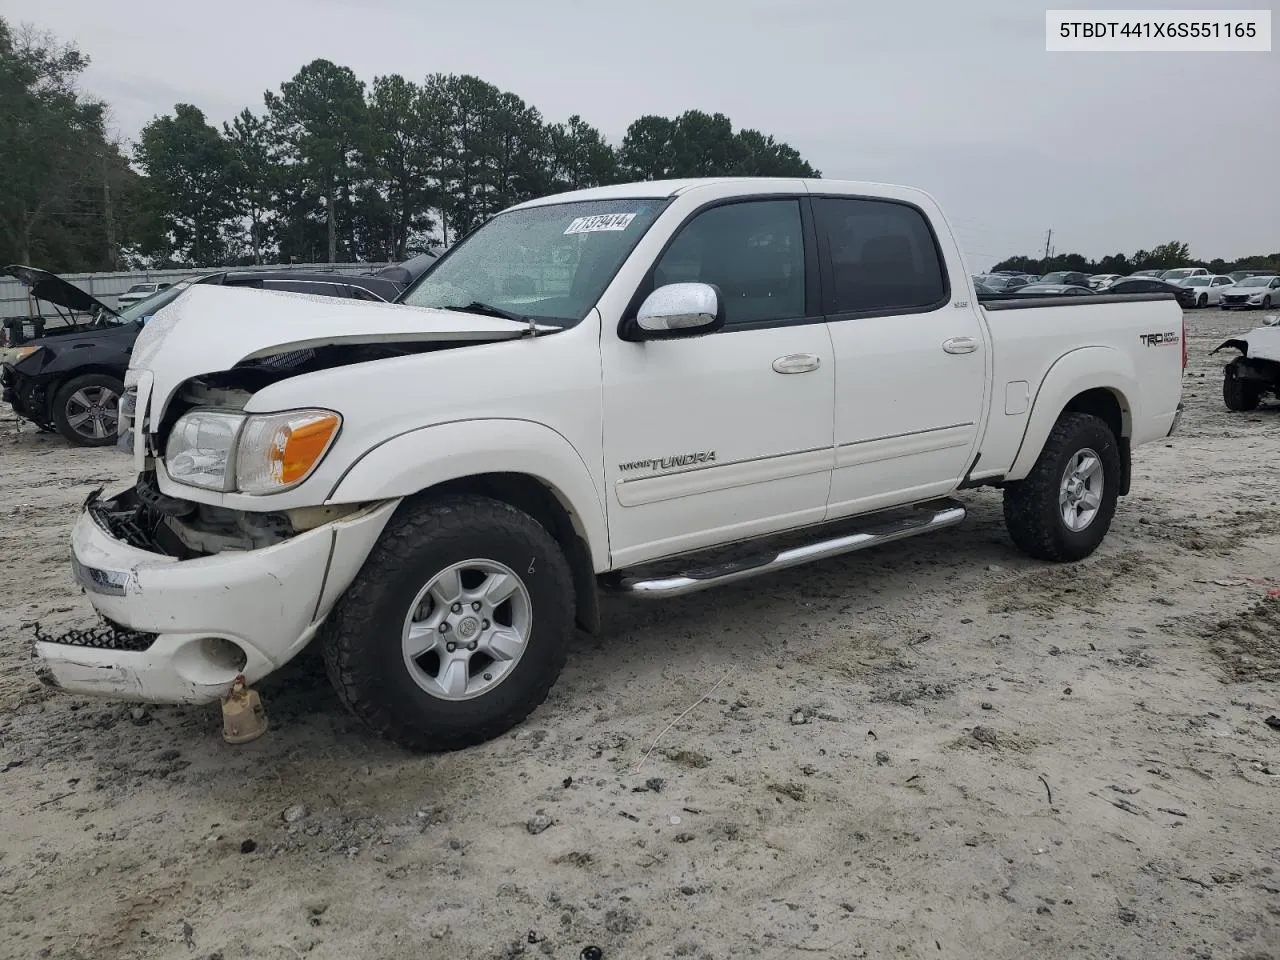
x: 28, y: 396
x: 189, y: 627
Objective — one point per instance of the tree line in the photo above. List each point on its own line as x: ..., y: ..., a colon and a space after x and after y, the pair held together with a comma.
x: 1166, y: 256
x: 332, y: 169
x: 329, y: 169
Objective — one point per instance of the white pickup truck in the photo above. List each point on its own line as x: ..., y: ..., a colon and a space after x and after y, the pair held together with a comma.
x: 649, y: 388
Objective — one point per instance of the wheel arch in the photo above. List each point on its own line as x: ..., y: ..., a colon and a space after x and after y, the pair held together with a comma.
x: 525, y: 464
x: 1095, y: 380
x: 545, y: 504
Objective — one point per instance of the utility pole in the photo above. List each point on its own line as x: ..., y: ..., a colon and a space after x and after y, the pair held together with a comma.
x: 113, y: 256
x: 1048, y: 237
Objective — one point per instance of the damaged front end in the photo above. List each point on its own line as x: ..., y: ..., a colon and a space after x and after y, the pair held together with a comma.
x: 191, y: 596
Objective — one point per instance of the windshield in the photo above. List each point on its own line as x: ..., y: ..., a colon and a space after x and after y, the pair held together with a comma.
x: 1053, y: 277
x: 1175, y: 274
x: 1197, y: 281
x: 1254, y: 282
x: 141, y: 288
x: 549, y: 262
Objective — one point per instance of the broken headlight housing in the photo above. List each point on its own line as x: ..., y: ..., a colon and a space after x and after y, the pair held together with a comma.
x: 257, y: 453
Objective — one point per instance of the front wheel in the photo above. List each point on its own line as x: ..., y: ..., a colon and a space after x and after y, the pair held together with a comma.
x: 1202, y: 301
x: 86, y: 409
x: 1064, y: 507
x: 456, y: 627
x: 1266, y: 302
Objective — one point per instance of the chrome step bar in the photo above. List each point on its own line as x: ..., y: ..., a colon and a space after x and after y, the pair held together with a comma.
x: 932, y: 516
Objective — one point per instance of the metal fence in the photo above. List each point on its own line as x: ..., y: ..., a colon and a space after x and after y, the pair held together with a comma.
x: 15, y: 300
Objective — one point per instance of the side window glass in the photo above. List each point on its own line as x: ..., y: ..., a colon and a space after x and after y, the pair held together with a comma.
x: 753, y: 251
x: 883, y: 256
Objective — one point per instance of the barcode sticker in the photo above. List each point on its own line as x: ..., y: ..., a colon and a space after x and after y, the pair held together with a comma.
x: 604, y: 221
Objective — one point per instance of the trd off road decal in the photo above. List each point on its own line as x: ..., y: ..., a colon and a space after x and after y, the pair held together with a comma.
x: 673, y: 462
x: 1159, y: 339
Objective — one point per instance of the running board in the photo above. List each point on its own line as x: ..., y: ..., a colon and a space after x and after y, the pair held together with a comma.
x: 872, y: 532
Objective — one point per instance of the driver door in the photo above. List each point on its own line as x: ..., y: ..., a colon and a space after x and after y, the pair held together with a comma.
x: 724, y: 436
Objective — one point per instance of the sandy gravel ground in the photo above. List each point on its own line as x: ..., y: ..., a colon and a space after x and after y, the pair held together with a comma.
x: 941, y: 749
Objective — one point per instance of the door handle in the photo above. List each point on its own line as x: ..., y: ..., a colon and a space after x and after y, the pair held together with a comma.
x: 960, y: 345
x: 796, y: 363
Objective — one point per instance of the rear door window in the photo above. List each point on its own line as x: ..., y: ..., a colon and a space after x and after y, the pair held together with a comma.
x: 883, y: 257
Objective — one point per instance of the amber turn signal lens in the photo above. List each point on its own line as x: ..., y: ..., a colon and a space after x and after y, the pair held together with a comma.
x: 298, y: 448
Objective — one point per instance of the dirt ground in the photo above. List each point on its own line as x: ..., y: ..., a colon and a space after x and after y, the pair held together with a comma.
x: 941, y: 749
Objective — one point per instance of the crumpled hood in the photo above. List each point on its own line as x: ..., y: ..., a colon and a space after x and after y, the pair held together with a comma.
x: 212, y: 328
x: 1260, y: 343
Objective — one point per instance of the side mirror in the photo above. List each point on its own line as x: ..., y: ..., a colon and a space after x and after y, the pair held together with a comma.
x: 679, y: 310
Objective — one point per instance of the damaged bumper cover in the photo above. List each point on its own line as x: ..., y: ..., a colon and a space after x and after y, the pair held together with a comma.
x: 191, y: 626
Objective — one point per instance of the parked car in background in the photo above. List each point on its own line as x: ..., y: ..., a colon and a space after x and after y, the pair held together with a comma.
x: 1100, y: 280
x: 1256, y: 372
x: 1181, y: 273
x: 1055, y: 290
x: 1238, y: 275
x: 1147, y: 273
x: 1070, y: 278
x: 1208, y: 288
x: 1185, y: 296
x: 72, y: 382
x: 1263, y: 291
x: 140, y: 291
x: 1001, y: 283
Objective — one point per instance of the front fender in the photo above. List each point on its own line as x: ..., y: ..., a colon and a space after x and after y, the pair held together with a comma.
x: 1088, y: 368
x: 413, y: 461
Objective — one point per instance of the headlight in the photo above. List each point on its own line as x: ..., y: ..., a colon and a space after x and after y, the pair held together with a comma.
x: 18, y: 354
x: 251, y: 453
x: 200, y: 447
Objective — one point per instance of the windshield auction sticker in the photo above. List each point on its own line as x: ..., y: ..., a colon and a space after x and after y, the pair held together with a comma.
x: 1158, y: 31
x: 604, y: 221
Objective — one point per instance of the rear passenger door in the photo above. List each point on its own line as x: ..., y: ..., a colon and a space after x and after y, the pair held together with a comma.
x: 911, y: 354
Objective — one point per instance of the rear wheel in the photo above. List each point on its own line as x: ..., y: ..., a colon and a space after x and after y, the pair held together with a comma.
x: 1064, y: 507
x: 1239, y: 395
x: 456, y: 627
x: 86, y: 409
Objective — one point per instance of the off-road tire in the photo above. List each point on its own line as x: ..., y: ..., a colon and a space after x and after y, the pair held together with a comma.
x: 1239, y: 395
x: 361, y: 640
x: 1031, y: 511
x: 64, y: 395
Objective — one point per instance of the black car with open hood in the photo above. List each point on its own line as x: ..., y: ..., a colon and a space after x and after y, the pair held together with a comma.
x: 69, y: 376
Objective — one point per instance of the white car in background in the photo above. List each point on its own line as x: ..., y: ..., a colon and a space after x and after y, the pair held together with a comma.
x: 1100, y: 280
x: 140, y: 291
x: 1208, y: 288
x: 1181, y: 273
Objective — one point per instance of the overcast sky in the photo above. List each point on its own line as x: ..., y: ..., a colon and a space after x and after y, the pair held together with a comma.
x: 1114, y: 151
